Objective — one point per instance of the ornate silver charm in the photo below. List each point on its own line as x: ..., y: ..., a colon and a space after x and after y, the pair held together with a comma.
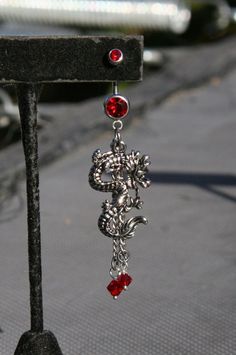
x: 128, y: 173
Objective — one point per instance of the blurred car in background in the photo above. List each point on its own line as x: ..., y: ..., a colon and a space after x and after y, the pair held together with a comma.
x: 171, y: 15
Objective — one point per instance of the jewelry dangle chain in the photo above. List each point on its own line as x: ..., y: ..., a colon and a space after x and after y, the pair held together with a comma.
x: 128, y: 172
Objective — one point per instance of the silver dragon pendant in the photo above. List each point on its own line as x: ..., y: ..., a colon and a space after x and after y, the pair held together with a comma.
x: 128, y: 172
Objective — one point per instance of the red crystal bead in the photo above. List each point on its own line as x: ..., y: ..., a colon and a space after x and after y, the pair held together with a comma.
x: 115, y: 56
x: 115, y: 288
x: 116, y: 107
x: 125, y: 280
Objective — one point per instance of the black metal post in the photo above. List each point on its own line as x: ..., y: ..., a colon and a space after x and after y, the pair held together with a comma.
x: 36, y: 341
x: 27, y: 96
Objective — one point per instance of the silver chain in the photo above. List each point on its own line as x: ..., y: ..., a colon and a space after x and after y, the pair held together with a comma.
x: 120, y: 258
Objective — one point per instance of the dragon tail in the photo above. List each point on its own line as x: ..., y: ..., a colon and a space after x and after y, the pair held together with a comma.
x: 130, y: 226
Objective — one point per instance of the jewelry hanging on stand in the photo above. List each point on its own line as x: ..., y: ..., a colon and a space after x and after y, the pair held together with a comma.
x: 128, y: 171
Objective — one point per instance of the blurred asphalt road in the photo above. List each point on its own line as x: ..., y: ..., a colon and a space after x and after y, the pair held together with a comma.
x: 183, y: 297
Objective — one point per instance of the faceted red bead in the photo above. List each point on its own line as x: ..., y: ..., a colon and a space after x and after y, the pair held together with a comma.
x: 115, y: 56
x: 125, y: 280
x: 116, y: 107
x: 115, y: 288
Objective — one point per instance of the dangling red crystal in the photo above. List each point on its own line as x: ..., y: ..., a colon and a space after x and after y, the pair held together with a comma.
x: 116, y: 107
x: 115, y: 288
x: 125, y: 280
x: 115, y: 56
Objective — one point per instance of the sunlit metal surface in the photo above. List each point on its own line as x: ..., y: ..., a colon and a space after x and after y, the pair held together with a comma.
x: 234, y: 14
x: 153, y: 57
x: 167, y: 15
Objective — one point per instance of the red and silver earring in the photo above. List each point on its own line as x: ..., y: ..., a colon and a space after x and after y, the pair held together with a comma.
x: 128, y: 172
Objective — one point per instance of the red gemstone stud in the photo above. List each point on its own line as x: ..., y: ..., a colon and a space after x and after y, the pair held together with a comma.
x: 115, y: 288
x: 115, y: 56
x: 116, y: 107
x: 125, y: 280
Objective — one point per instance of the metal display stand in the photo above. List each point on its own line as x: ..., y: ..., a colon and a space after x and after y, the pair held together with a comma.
x: 28, y: 62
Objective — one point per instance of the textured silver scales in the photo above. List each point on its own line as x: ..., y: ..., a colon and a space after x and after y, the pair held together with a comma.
x: 128, y: 172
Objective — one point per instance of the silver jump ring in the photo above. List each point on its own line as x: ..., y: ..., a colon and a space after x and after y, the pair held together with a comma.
x: 115, y: 273
x: 117, y: 125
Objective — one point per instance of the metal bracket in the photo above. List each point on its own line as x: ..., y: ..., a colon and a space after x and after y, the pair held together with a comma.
x: 69, y: 59
x: 27, y: 62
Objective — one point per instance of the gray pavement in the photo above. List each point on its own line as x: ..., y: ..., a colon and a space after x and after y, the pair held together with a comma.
x: 182, y: 300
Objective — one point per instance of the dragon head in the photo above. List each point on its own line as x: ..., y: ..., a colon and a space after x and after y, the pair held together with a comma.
x: 137, y: 168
